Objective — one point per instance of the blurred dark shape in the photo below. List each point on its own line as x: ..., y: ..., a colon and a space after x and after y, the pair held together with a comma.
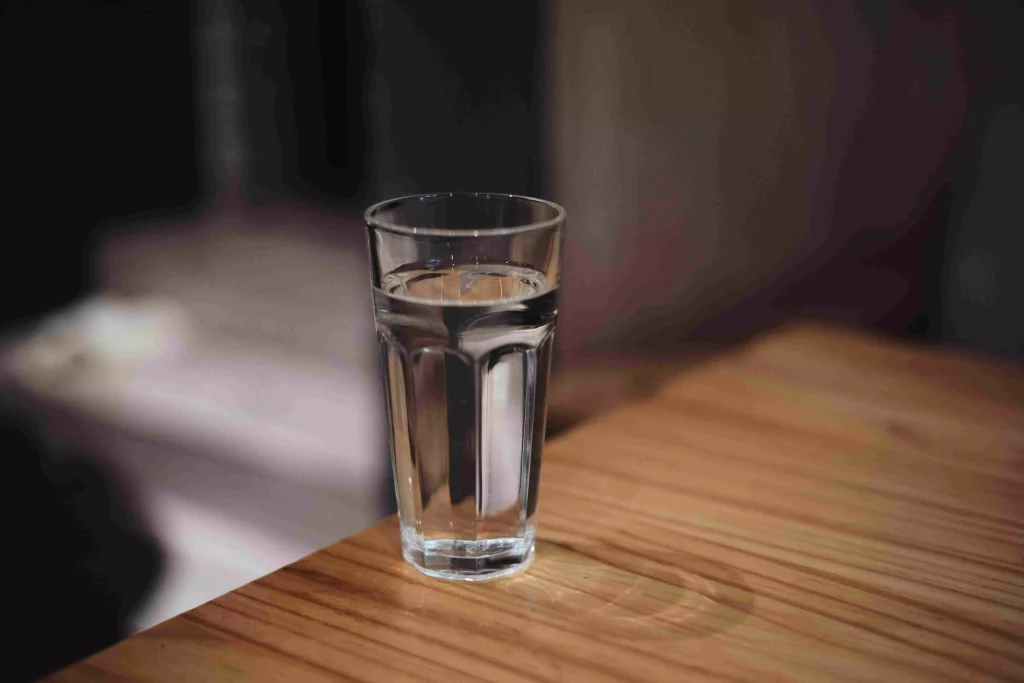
x: 77, y: 563
x: 345, y: 102
x: 456, y: 96
x: 98, y: 122
x: 982, y: 290
x: 304, y: 81
x: 301, y: 69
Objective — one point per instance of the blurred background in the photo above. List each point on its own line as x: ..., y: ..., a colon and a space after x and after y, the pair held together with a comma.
x: 188, y: 371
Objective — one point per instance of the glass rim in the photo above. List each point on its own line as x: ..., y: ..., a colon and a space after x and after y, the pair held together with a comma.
x: 371, y: 220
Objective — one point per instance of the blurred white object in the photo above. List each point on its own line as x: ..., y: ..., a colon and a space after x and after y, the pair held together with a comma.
x: 229, y: 377
x: 107, y: 331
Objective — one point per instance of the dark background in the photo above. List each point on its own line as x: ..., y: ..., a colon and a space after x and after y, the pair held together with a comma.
x: 104, y: 107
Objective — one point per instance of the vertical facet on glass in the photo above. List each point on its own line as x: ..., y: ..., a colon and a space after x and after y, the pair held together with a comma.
x: 465, y: 291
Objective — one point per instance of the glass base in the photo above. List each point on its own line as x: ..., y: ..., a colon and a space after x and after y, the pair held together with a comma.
x: 456, y: 560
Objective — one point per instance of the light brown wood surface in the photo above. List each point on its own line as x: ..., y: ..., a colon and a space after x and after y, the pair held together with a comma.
x: 821, y: 505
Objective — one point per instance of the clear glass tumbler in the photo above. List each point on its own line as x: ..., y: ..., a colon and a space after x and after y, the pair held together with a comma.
x: 465, y: 292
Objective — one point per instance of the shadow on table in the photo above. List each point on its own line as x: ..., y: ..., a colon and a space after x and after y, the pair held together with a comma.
x: 595, y: 587
x: 676, y: 596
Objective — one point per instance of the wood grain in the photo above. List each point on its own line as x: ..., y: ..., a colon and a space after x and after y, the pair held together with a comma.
x: 820, y: 505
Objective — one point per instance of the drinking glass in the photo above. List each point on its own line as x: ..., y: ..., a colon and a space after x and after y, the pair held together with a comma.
x: 465, y: 290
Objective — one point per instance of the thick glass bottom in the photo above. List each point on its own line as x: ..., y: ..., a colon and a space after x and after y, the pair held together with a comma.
x: 468, y: 560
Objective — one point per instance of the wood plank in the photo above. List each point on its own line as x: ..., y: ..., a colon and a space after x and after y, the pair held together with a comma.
x: 821, y: 505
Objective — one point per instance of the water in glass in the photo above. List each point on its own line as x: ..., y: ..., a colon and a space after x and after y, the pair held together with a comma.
x: 466, y: 351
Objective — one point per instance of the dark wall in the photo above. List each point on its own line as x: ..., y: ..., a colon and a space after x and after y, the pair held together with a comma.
x: 301, y: 69
x: 98, y: 121
x: 455, y: 95
x: 340, y: 102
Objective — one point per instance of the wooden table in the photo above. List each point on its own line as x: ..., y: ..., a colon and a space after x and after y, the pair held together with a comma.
x: 820, y: 505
